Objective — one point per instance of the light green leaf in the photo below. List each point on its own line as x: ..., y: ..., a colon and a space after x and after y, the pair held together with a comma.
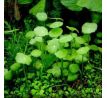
x: 72, y: 29
x: 93, y: 5
x: 41, y: 31
x: 53, y: 45
x: 7, y: 74
x: 88, y: 28
x: 24, y: 1
x: 83, y: 50
x: 36, y: 53
x: 72, y: 77
x: 56, y: 32
x: 30, y: 34
x: 55, y: 71
x: 74, y: 68
x: 71, y: 5
x: 55, y: 24
x: 23, y: 59
x: 39, y: 7
x: 15, y: 67
x: 65, y: 38
x: 80, y: 58
x: 41, y: 16
x: 61, y: 53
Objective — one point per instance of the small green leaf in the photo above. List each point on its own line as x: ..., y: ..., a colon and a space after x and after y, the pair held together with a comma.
x: 41, y: 31
x: 99, y: 34
x: 65, y: 38
x: 7, y: 74
x: 39, y: 7
x: 74, y: 68
x: 88, y: 28
x: 93, y: 5
x: 36, y: 39
x: 36, y: 53
x: 80, y: 58
x: 24, y: 1
x: 41, y: 16
x: 55, y: 24
x: 56, y: 32
x: 65, y: 72
x: 15, y: 67
x: 83, y: 50
x: 23, y: 59
x: 72, y: 77
x: 56, y: 71
x: 71, y: 5
x: 53, y: 45
x: 72, y: 29
x: 61, y: 53
x: 94, y: 47
x: 30, y: 34
x: 38, y: 65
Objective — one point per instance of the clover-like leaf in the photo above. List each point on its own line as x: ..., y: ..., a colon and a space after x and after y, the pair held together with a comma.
x: 41, y: 31
x: 72, y: 77
x: 56, y: 32
x: 65, y: 38
x: 36, y: 53
x: 53, y: 45
x: 65, y: 72
x: 83, y: 50
x: 61, y: 53
x: 15, y: 67
x: 30, y: 34
x: 74, y: 68
x: 88, y: 28
x: 23, y: 59
x: 55, y: 24
x: 41, y: 16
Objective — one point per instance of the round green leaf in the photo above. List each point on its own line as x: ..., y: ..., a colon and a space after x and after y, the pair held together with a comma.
x: 65, y: 38
x: 56, y: 24
x: 80, y: 58
x: 15, y: 67
x: 23, y: 59
x: 41, y: 31
x: 74, y: 68
x: 55, y: 71
x: 88, y: 28
x: 30, y: 34
x: 83, y: 50
x: 41, y: 16
x: 8, y: 75
x: 36, y: 53
x: 38, y: 65
x: 61, y: 53
x: 36, y: 39
x: 65, y: 72
x: 72, y: 77
x: 53, y: 45
x: 94, y: 47
x: 56, y: 32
